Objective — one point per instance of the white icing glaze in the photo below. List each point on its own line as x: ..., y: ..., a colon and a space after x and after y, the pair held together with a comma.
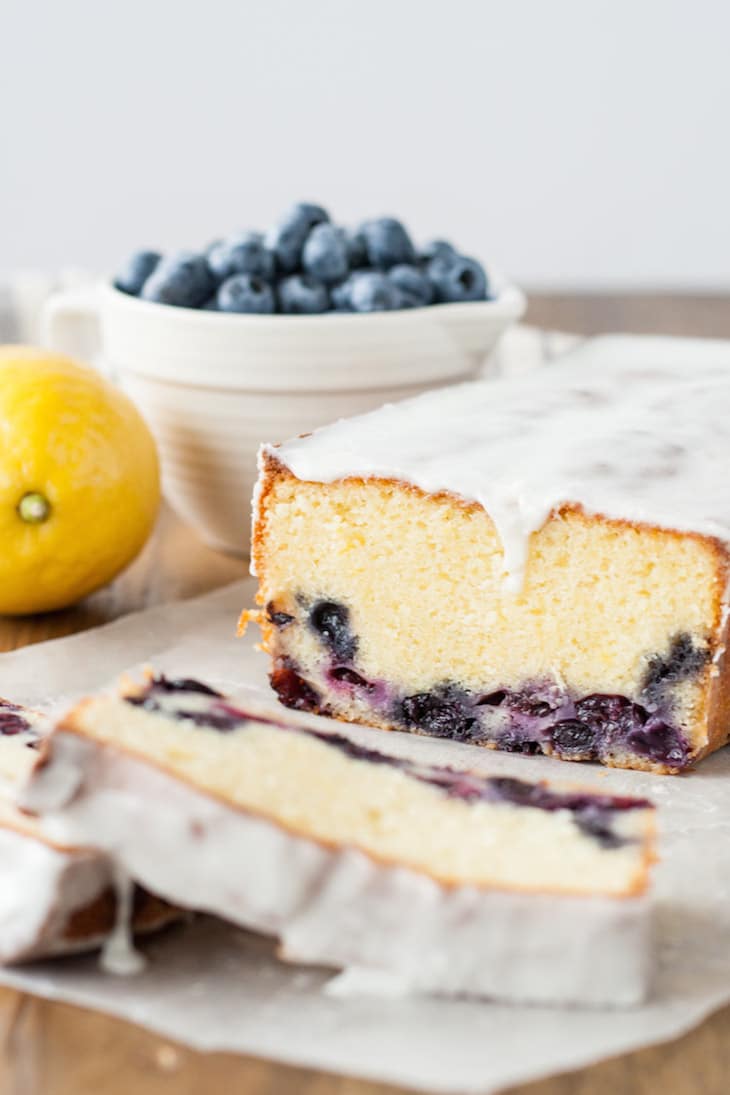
x: 629, y: 427
x: 118, y: 954
x: 340, y: 908
x: 40, y: 888
x: 41, y: 885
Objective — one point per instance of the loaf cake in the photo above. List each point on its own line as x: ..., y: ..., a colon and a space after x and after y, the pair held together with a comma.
x: 438, y: 879
x: 54, y: 899
x: 537, y: 564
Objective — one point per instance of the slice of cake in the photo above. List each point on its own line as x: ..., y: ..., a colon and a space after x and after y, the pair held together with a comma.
x: 442, y: 880
x: 53, y: 899
x: 536, y: 565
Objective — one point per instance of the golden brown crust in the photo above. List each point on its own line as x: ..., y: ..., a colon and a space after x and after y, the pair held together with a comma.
x: 717, y: 704
x: 249, y: 616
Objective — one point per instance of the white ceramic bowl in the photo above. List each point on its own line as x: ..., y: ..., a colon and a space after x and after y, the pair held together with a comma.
x: 213, y: 385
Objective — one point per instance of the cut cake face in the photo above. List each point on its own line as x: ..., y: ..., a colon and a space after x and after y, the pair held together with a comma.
x: 284, y: 828
x: 535, y: 565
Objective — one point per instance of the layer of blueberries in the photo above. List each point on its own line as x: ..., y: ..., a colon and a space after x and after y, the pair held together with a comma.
x: 539, y: 716
x: 593, y: 814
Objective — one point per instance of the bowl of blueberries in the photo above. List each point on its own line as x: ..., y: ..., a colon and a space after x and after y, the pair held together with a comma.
x: 263, y: 335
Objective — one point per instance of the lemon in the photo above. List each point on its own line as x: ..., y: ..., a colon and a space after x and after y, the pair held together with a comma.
x: 79, y: 481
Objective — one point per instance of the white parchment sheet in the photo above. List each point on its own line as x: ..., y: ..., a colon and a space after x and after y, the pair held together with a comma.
x: 213, y: 987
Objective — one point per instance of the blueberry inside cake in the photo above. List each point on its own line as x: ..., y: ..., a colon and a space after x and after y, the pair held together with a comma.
x: 482, y: 830
x: 421, y: 878
x: 538, y: 565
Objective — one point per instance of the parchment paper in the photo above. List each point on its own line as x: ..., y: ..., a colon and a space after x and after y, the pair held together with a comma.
x: 213, y: 987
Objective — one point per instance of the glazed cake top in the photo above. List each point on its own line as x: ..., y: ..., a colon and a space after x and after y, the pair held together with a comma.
x: 629, y: 427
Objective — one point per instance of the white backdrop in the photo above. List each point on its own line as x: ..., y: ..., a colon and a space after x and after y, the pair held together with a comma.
x: 574, y: 142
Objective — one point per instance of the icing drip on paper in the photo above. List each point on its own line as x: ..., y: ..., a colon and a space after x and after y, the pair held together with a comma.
x: 118, y: 955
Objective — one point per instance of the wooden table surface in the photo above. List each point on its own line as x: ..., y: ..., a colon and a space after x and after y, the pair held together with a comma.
x: 55, y: 1049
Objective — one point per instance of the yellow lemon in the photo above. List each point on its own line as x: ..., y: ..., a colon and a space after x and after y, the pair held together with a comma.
x: 79, y: 481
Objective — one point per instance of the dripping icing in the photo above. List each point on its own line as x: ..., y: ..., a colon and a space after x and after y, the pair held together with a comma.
x: 119, y: 955
x: 629, y: 427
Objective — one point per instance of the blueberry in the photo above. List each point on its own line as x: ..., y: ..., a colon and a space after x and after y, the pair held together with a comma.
x: 246, y: 293
x: 517, y: 791
x: 11, y: 723
x: 278, y: 619
x: 659, y: 742
x: 416, y: 289
x: 612, y: 719
x: 515, y: 741
x: 572, y: 738
x: 357, y: 254
x: 182, y: 684
x: 135, y: 271
x: 286, y: 238
x: 331, y: 621
x: 387, y: 243
x: 340, y: 295
x: 182, y: 279
x: 596, y: 823
x: 293, y: 690
x: 617, y: 721
x: 617, y: 712
x: 492, y: 699
x: 149, y: 697
x: 244, y: 253
x: 531, y: 703
x: 357, y: 752
x: 211, y: 305
x: 217, y: 717
x: 372, y: 292
x: 435, y: 249
x: 442, y: 713
x: 541, y: 797
x: 348, y: 676
x: 211, y: 720
x: 456, y: 278
x: 683, y: 661
x: 325, y: 253
x: 301, y: 294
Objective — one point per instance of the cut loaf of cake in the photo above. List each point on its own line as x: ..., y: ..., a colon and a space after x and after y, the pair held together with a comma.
x: 54, y: 899
x: 537, y: 564
x: 438, y: 880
